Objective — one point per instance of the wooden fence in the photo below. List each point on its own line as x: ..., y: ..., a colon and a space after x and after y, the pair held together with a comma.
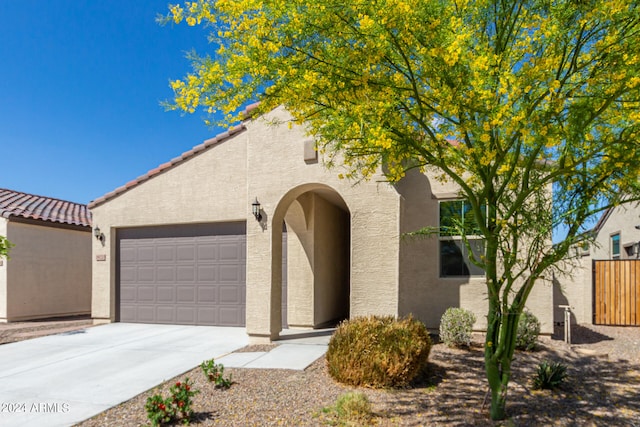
x: 616, y: 291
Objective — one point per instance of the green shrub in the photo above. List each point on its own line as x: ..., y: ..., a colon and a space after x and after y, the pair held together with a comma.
x: 215, y: 373
x: 528, y: 331
x: 353, y: 409
x: 549, y: 375
x: 177, y: 406
x: 181, y: 398
x: 456, y: 326
x: 378, y: 351
x: 159, y: 410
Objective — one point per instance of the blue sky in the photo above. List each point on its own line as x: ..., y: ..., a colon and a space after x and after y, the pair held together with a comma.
x: 80, y: 89
x: 81, y: 83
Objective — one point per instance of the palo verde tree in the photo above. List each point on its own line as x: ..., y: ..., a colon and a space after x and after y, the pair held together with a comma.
x: 506, y: 98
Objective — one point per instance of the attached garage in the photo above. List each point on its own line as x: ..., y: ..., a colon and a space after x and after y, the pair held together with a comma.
x: 182, y: 274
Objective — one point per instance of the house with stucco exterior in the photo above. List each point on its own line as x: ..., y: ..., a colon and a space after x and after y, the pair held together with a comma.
x: 48, y: 272
x: 251, y: 229
x: 603, y: 285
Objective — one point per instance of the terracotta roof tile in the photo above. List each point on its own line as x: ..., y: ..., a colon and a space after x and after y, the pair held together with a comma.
x: 24, y: 205
x: 163, y: 167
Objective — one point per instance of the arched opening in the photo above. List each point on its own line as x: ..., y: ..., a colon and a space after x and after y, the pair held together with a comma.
x: 313, y: 263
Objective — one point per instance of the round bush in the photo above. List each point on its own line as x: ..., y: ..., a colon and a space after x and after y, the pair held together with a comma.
x: 378, y: 351
x: 456, y: 326
x: 528, y: 331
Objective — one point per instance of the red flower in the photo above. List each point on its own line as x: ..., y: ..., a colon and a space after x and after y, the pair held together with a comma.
x: 178, y: 384
x: 187, y: 387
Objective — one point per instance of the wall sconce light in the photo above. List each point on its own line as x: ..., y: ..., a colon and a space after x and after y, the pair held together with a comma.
x: 255, y: 208
x: 98, y: 234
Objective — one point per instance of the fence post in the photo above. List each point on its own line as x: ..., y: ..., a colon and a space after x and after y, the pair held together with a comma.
x: 567, y: 323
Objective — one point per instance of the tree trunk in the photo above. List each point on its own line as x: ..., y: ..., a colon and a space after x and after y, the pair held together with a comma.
x: 498, y: 395
x: 498, y: 404
x: 499, y: 348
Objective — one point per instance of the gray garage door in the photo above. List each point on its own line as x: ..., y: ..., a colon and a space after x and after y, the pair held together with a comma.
x: 188, y: 275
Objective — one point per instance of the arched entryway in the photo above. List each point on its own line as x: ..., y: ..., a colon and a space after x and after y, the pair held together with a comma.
x: 317, y: 258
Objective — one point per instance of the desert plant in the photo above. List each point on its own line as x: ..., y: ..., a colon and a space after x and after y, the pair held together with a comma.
x: 159, y: 410
x: 181, y: 394
x: 549, y: 375
x: 215, y: 373
x: 456, y: 326
x: 352, y: 408
x: 378, y: 351
x: 177, y: 406
x: 528, y: 331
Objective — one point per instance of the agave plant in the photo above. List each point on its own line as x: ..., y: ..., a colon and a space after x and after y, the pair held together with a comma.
x: 549, y: 375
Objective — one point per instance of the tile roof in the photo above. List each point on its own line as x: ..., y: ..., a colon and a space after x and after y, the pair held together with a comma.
x: 23, y: 205
x: 165, y: 166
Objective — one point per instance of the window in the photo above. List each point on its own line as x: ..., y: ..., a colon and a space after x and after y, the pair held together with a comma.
x: 456, y: 217
x: 582, y: 249
x: 615, y: 246
x: 630, y: 250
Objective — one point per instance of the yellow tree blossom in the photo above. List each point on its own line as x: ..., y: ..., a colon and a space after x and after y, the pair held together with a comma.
x: 504, y: 98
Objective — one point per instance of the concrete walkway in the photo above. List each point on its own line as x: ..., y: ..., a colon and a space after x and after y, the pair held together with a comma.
x: 296, y: 349
x: 63, y: 379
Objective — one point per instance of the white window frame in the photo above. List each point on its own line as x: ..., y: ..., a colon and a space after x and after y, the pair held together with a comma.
x: 611, y: 245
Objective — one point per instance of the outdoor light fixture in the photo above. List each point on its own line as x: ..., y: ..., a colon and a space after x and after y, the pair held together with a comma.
x: 255, y: 208
x: 98, y: 234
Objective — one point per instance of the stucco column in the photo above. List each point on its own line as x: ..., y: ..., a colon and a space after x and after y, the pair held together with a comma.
x: 264, y: 268
x: 103, y: 295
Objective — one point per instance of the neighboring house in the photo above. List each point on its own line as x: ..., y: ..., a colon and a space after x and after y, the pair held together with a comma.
x: 617, y: 238
x: 181, y: 244
x: 617, y: 233
x: 48, y: 271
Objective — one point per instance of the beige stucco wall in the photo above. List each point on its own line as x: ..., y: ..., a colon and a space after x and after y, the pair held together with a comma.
x: 220, y: 183
x: 299, y: 263
x: 49, y: 273
x: 3, y: 275
x: 623, y: 220
x: 279, y: 175
x: 573, y: 286
x: 423, y: 292
x: 317, y: 262
x: 387, y: 276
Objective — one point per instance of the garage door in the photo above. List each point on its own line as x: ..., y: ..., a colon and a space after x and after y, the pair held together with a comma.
x: 188, y: 275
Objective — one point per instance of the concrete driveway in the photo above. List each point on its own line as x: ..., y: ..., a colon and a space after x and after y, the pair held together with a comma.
x: 62, y: 379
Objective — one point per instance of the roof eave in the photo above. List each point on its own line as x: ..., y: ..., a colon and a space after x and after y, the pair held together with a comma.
x: 221, y: 137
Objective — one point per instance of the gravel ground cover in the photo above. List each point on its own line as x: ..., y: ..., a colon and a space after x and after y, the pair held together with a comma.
x: 20, y: 331
x: 603, y: 389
